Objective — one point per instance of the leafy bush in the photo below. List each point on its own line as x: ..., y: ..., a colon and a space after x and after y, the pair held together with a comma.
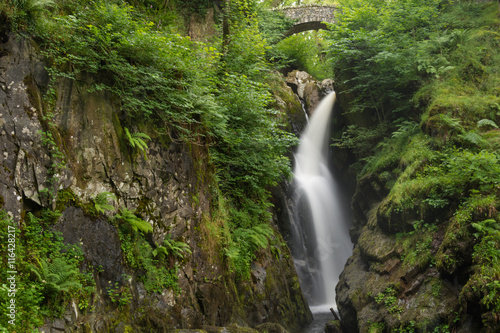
x: 156, y: 74
x: 57, y: 276
x: 25, y: 14
x: 306, y: 52
x: 48, y: 274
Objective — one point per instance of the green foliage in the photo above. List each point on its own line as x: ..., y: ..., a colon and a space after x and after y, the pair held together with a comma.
x: 405, y: 144
x: 486, y: 122
x: 250, y: 151
x: 139, y: 256
x: 484, y: 283
x: 389, y: 300
x: 136, y: 140
x: 120, y: 295
x: 243, y: 245
x: 158, y: 75
x: 361, y: 140
x: 25, y: 14
x: 376, y: 328
x: 48, y: 275
x: 101, y: 202
x: 306, y: 52
x: 454, y: 174
x: 374, y: 51
x: 416, y: 245
x: 170, y: 246
x: 198, y: 7
x: 200, y: 93
x: 272, y: 25
x: 57, y: 276
x: 486, y: 227
x: 130, y: 219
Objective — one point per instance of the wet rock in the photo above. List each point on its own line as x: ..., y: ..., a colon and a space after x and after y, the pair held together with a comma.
x: 99, y: 241
x: 290, y: 105
x: 308, y: 89
x: 333, y: 327
x: 271, y: 328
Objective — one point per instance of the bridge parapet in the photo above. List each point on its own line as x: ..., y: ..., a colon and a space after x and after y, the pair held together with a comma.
x: 308, y: 17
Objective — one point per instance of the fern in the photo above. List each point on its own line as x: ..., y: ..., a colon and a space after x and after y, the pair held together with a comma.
x: 160, y: 251
x: 257, y: 236
x: 453, y: 124
x: 34, y: 6
x: 101, y: 202
x: 474, y: 138
x: 489, y: 226
x: 175, y: 248
x: 136, y: 140
x: 58, y: 276
x: 133, y: 221
x: 406, y: 129
x: 486, y: 122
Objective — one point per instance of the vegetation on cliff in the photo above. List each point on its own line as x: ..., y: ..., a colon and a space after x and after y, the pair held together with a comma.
x: 426, y: 73
x: 213, y: 95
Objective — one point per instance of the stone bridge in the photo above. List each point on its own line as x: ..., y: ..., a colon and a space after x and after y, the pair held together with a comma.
x: 309, y: 17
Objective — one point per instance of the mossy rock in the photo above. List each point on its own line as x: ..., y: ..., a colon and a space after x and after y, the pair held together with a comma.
x: 233, y: 328
x: 393, y: 219
x: 271, y: 328
x: 376, y: 246
x: 333, y: 326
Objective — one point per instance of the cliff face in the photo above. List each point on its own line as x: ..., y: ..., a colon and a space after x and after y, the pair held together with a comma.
x: 80, y: 151
x: 416, y: 268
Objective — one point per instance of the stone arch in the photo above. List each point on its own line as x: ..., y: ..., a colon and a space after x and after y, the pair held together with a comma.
x: 308, y: 17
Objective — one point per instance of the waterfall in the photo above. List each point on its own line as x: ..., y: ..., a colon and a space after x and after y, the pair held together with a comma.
x: 320, y: 236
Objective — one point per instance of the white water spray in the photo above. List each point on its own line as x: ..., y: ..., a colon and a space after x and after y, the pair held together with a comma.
x: 328, y: 244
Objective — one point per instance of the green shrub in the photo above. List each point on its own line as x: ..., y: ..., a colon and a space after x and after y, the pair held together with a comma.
x: 48, y: 275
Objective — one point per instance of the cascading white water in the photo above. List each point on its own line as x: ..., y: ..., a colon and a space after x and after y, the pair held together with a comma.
x: 323, y: 231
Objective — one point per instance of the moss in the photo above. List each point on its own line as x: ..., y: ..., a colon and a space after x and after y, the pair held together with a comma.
x: 377, y: 327
x: 120, y: 133
x: 34, y: 96
x: 66, y: 198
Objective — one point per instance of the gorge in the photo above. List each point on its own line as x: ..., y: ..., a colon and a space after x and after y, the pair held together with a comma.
x: 148, y: 183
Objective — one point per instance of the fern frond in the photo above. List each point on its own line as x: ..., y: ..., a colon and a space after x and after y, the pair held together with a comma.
x: 129, y: 137
x: 136, y: 140
x: 474, y: 138
x: 485, y: 227
x: 257, y: 235
x: 101, y: 202
x: 160, y: 251
x: 486, y: 122
x: 133, y: 221
x: 176, y: 248
x: 452, y: 123
x: 141, y: 135
x: 57, y: 276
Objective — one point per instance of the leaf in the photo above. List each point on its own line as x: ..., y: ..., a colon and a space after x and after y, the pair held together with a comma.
x: 474, y: 138
x: 136, y: 140
x: 133, y: 221
x: 486, y: 122
x: 101, y: 202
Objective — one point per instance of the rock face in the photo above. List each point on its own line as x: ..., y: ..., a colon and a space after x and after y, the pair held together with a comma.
x: 387, y: 287
x: 308, y: 89
x: 170, y: 189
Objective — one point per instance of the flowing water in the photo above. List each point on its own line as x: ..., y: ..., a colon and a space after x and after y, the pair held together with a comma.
x: 320, y: 234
